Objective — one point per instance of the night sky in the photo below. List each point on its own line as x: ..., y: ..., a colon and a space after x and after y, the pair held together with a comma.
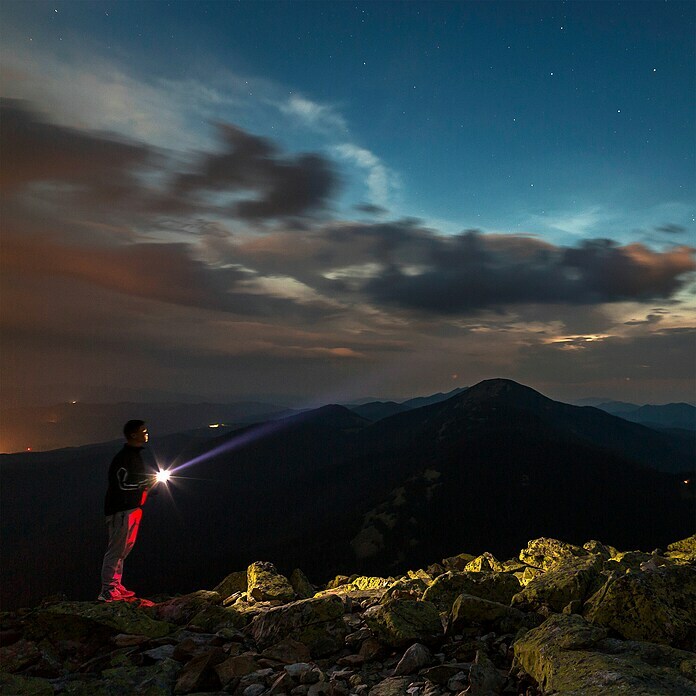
x: 323, y: 201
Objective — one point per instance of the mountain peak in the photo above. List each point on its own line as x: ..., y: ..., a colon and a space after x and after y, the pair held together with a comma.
x: 501, y: 388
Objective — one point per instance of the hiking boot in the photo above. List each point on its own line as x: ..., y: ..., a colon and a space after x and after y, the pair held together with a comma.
x: 110, y: 594
x: 125, y: 594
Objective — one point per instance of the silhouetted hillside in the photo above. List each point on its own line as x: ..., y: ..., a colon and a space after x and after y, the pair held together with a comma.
x: 326, y: 490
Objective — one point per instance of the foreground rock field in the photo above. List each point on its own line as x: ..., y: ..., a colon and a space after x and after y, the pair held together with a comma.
x: 558, y: 619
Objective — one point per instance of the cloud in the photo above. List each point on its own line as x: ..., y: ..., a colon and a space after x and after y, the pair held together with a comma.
x: 380, y: 180
x: 318, y: 116
x: 281, y: 186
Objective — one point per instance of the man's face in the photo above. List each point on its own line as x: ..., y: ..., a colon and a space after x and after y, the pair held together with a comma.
x: 140, y: 436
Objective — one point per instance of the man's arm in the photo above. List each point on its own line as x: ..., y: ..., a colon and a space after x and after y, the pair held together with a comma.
x: 126, y: 484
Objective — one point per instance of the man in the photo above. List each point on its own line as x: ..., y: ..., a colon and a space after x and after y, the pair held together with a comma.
x: 128, y: 486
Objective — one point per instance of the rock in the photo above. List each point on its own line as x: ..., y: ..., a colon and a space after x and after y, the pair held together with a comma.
x: 573, y: 579
x: 180, y: 610
x: 624, y: 561
x: 232, y: 584
x: 320, y: 688
x: 496, y: 587
x: 458, y: 682
x: 684, y: 549
x: 123, y: 640
x: 198, y: 674
x: 216, y: 618
x: 484, y: 678
x: 265, y: 583
x: 288, y: 651
x: 415, y: 658
x: 486, y: 562
x: 391, y: 686
x: 17, y: 685
x: 457, y: 563
x: 473, y: 614
x: 404, y: 621
x: 441, y: 674
x: 364, y: 582
x: 254, y: 690
x: 528, y: 574
x: 600, y: 548
x: 567, y: 655
x: 658, y: 606
x: 545, y: 552
x: 282, y: 684
x: 19, y: 655
x: 237, y: 666
x: 301, y: 585
x: 93, y: 621
x: 162, y: 652
x: 408, y: 588
x: 316, y: 622
x: 372, y: 649
x: 338, y: 581
x: 298, y: 670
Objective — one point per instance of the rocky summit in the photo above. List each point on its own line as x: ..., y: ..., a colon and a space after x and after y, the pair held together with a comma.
x: 584, y: 620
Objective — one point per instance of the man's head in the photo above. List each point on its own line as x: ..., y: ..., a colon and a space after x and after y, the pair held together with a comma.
x: 136, y: 433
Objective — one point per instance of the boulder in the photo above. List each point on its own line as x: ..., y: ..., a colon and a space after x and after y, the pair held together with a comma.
x: 684, y: 549
x: 567, y: 655
x: 301, y: 585
x: 19, y: 655
x: 237, y: 666
x: 415, y: 658
x: 316, y: 622
x: 603, y: 550
x: 288, y: 651
x: 19, y: 685
x: 401, y: 622
x: 198, y: 673
x: 93, y: 621
x: 391, y: 686
x: 216, y: 618
x: 475, y: 615
x: 180, y: 610
x: 457, y: 563
x: 265, y: 583
x: 411, y: 588
x: 485, y: 563
x: 232, y: 584
x: 658, y: 606
x: 575, y: 579
x: 623, y: 561
x: 497, y: 587
x: 545, y: 552
x: 484, y: 678
x: 339, y: 580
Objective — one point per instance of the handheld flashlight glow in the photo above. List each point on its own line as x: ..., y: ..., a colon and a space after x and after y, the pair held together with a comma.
x: 162, y: 476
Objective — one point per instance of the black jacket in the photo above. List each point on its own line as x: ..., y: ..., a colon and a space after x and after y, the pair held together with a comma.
x: 127, y: 481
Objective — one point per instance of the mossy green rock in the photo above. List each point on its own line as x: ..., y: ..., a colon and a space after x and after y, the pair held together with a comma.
x: 316, y: 622
x: 413, y: 588
x: 568, y: 656
x: 215, y: 618
x: 81, y: 620
x: 594, y: 546
x: 265, y: 583
x: 233, y: 583
x: 496, y: 587
x: 457, y: 563
x: 18, y: 685
x: 684, y: 549
x: 485, y: 563
x: 401, y: 622
x: 371, y: 583
x: 475, y: 615
x: 545, y: 552
x: 573, y: 580
x: 180, y: 610
x: 300, y: 583
x: 659, y: 605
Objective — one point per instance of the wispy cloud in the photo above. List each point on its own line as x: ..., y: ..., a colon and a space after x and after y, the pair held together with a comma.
x: 314, y: 115
x: 381, y: 181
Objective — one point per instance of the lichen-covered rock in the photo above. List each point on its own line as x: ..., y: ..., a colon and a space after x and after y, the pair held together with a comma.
x: 484, y: 678
x: 472, y: 615
x: 527, y: 575
x: 404, y: 621
x: 420, y: 574
x: 316, y: 622
x: 19, y: 655
x: 410, y: 588
x: 545, y: 552
x: 485, y: 563
x: 215, y: 618
x: 265, y: 583
x: 568, y: 656
x: 81, y: 620
x: 458, y: 563
x: 627, y: 560
x: 391, y: 686
x: 371, y: 583
x: 594, y: 546
x: 573, y: 580
x: 19, y: 685
x: 684, y: 549
x: 233, y: 583
x: 300, y: 583
x: 339, y: 580
x: 496, y: 587
x: 659, y: 606
x: 180, y: 610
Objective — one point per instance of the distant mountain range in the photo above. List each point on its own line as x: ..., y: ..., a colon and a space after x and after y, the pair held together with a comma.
x: 488, y: 468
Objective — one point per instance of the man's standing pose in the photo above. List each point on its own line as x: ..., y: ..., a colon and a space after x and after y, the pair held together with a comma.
x: 125, y: 496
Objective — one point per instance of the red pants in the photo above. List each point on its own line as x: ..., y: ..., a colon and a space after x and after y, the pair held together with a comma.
x: 123, y: 530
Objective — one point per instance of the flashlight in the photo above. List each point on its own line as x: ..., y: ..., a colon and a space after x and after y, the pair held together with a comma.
x: 162, y: 476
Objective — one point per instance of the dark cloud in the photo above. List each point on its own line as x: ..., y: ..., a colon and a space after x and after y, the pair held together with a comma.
x: 370, y: 209
x: 282, y: 187
x: 670, y: 228
x: 33, y: 151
